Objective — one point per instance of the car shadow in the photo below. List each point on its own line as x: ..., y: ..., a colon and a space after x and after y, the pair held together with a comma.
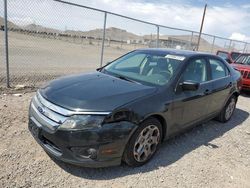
x: 170, y: 151
x: 245, y: 93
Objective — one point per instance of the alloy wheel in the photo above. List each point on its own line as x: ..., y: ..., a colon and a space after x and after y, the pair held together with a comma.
x: 146, y: 143
x: 230, y: 109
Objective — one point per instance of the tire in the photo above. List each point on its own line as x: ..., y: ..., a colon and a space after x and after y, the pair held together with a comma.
x: 148, y: 137
x: 227, y: 112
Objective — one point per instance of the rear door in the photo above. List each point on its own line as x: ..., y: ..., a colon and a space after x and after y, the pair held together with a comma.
x: 222, y: 84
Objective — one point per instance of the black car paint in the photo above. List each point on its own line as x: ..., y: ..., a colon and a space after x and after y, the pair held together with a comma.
x: 93, y: 92
x: 112, y: 135
x: 176, y: 109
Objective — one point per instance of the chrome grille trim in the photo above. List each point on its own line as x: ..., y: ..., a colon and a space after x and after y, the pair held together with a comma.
x: 48, y: 113
x: 64, y: 111
x: 41, y: 119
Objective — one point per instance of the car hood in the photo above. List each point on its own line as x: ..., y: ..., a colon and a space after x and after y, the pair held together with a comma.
x: 240, y: 66
x: 93, y: 92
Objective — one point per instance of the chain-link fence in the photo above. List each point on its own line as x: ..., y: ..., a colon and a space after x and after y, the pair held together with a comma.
x: 51, y: 38
x: 2, y: 49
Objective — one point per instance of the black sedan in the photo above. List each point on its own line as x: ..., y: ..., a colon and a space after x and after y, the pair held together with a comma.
x: 124, y: 110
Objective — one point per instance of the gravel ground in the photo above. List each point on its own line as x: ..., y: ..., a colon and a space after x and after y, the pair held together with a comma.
x: 35, y: 60
x: 210, y: 155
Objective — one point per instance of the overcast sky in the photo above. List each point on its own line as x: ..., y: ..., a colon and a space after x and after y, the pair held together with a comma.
x: 228, y: 19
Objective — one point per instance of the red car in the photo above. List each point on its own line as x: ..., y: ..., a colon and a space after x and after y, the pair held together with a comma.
x: 230, y: 57
x: 242, y: 64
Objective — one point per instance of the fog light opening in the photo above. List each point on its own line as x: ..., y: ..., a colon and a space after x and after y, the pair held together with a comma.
x: 92, y: 153
x: 86, y: 153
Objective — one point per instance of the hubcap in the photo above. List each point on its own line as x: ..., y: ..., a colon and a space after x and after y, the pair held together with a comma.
x: 146, y: 143
x: 230, y: 109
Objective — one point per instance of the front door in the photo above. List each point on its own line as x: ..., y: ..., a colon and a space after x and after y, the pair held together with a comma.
x: 191, y: 106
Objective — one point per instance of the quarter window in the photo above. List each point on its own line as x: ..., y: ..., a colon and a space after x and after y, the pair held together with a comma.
x: 218, y: 69
x: 196, y: 71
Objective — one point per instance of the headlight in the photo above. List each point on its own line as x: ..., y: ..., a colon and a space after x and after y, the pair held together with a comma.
x: 80, y: 122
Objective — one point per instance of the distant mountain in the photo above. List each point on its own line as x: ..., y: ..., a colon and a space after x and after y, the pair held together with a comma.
x: 10, y: 24
x: 184, y: 38
x: 203, y: 42
x: 39, y: 28
x: 111, y: 33
x: 177, y: 37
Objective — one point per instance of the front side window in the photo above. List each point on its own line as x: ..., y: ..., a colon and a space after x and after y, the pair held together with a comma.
x: 218, y: 69
x: 196, y: 71
x: 146, y: 67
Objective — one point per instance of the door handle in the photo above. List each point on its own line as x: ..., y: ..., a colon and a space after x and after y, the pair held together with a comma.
x: 207, y: 92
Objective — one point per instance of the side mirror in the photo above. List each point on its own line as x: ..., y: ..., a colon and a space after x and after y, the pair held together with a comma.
x: 189, y: 86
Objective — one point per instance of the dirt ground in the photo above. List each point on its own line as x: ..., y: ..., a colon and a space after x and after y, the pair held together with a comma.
x: 35, y: 59
x: 210, y: 155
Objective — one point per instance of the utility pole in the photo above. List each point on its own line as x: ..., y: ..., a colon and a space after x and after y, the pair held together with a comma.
x: 202, y: 22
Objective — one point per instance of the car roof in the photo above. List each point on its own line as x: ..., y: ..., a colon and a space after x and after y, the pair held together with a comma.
x: 187, y: 53
x: 229, y: 51
x: 244, y: 54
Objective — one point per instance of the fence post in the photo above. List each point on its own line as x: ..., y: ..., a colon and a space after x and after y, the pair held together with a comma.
x: 158, y: 35
x: 212, y: 48
x: 230, y: 43
x: 191, y: 41
x: 6, y: 44
x: 245, y: 47
x: 103, y: 37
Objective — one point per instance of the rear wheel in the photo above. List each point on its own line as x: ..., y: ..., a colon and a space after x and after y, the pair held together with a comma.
x: 227, y: 112
x: 144, y: 143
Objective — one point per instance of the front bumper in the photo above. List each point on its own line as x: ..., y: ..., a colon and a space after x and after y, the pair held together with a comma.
x: 245, y: 84
x: 97, y: 147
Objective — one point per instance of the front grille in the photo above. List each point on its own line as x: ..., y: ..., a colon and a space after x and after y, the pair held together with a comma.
x: 245, y: 74
x: 45, y: 110
x: 45, y: 117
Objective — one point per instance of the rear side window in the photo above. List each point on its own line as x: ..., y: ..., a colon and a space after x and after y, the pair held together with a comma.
x: 218, y: 69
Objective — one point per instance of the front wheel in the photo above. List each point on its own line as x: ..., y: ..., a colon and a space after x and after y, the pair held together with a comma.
x: 227, y: 112
x: 144, y: 143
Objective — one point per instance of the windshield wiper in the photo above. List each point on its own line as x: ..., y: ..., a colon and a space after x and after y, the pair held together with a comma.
x: 125, y: 78
x: 120, y: 76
